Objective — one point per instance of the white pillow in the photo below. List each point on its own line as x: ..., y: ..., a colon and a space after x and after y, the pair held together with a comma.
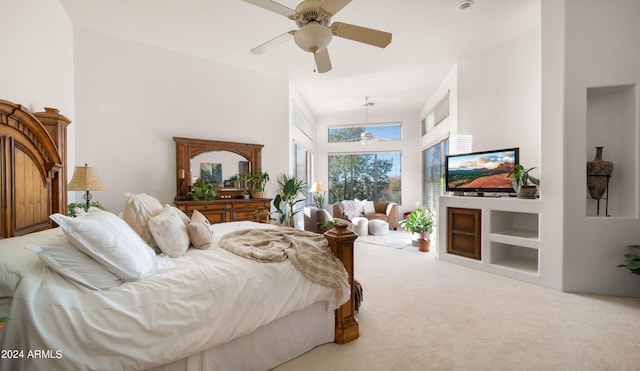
x: 200, y: 231
x: 170, y: 232
x: 184, y: 217
x: 368, y: 207
x: 75, y: 265
x: 138, y: 209
x: 110, y: 241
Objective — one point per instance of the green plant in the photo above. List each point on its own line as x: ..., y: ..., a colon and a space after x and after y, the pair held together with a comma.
x: 420, y: 220
x: 4, y: 319
x: 260, y: 181
x: 201, y: 191
x: 234, y: 180
x: 522, y: 178
x: 632, y: 261
x: 74, y: 207
x: 329, y: 224
x: 291, y: 193
x: 245, y: 180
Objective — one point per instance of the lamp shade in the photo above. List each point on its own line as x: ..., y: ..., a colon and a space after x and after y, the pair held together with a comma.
x: 86, y: 178
x: 317, y: 187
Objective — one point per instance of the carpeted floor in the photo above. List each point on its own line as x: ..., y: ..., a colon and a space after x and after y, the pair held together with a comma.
x: 395, y: 239
x: 420, y: 313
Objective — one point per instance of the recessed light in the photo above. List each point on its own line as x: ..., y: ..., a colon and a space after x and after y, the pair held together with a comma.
x: 464, y: 6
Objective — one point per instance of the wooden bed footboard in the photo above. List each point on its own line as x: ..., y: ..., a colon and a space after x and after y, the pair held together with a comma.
x: 341, y: 243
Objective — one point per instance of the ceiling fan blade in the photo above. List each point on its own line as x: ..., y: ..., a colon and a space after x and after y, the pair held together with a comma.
x: 273, y: 6
x: 361, y: 34
x: 323, y: 62
x: 331, y: 7
x: 262, y: 48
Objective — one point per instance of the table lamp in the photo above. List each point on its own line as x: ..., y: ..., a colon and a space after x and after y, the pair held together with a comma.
x: 86, y: 179
x: 318, y: 196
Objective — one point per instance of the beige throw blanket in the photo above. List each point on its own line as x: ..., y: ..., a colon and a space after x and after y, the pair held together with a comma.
x: 309, y: 252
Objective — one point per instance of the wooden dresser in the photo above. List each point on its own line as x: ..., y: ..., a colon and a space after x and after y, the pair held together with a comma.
x: 225, y: 210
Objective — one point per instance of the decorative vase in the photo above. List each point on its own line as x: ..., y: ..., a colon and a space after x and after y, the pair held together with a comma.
x: 423, y: 244
x: 598, y: 174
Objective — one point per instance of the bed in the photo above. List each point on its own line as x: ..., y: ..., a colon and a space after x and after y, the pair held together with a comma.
x: 207, y: 309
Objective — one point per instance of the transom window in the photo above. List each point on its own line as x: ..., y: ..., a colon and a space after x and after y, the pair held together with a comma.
x: 344, y: 134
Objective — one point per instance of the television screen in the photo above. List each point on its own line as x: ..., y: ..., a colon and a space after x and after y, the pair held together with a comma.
x: 481, y: 171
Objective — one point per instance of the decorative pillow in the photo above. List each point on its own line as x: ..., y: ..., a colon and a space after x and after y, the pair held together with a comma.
x: 75, y: 265
x: 138, y: 209
x: 170, y: 232
x: 111, y: 242
x: 200, y: 231
x: 184, y: 217
x: 368, y: 207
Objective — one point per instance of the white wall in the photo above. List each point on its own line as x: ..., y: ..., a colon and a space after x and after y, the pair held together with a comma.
x: 499, y: 98
x: 133, y: 98
x: 36, y: 63
x: 601, y: 49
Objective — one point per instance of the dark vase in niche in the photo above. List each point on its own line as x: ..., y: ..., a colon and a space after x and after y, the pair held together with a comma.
x: 598, y: 174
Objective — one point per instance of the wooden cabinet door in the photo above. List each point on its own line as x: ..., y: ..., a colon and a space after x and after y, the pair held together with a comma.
x: 463, y: 232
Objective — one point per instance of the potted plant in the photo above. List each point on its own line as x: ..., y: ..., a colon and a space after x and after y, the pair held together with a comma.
x: 525, y: 184
x: 259, y: 184
x: 234, y: 180
x: 420, y: 222
x: 633, y: 261
x: 244, y: 179
x: 203, y: 190
x: 75, y: 209
x: 291, y: 193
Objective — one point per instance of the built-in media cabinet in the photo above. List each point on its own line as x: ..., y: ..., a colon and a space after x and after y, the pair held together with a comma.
x: 496, y: 234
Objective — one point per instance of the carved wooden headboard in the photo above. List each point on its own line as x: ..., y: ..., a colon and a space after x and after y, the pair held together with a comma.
x: 32, y: 168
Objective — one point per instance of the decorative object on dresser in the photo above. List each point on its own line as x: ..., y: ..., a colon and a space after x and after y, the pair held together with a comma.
x: 260, y: 181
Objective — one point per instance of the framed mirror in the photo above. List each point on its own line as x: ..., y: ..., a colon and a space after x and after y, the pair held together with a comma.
x: 215, y: 160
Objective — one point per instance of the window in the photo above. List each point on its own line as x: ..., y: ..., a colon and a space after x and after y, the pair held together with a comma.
x: 301, y: 122
x: 433, y: 159
x: 352, y: 133
x: 373, y: 176
x: 302, y: 164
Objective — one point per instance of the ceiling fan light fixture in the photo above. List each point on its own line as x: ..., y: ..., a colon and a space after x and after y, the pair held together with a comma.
x: 464, y: 6
x: 313, y: 37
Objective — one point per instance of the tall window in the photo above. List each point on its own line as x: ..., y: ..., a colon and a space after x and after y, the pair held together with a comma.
x: 373, y: 176
x: 433, y: 159
x: 302, y: 164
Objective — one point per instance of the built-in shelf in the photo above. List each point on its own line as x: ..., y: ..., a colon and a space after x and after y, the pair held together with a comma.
x: 509, y: 237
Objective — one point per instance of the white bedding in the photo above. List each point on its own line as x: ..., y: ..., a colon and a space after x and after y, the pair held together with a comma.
x: 210, y: 298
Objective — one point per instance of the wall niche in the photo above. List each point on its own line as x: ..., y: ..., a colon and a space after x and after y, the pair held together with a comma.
x: 612, y: 123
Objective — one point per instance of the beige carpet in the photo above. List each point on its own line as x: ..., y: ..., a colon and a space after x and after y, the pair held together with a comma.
x: 420, y: 313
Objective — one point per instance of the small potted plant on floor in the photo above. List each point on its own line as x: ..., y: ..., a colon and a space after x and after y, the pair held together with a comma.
x: 633, y: 261
x: 420, y: 222
x: 525, y: 184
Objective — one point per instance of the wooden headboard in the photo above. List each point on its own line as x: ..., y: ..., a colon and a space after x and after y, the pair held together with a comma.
x: 32, y: 168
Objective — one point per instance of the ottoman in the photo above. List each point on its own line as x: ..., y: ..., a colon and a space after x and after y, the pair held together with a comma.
x: 378, y: 227
x: 360, y: 226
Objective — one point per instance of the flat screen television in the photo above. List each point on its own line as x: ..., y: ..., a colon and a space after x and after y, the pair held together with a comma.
x: 481, y: 172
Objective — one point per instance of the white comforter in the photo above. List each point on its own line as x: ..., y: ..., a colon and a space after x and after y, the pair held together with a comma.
x: 211, y: 297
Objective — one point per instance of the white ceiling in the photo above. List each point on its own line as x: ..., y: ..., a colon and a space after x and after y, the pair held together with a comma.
x: 429, y: 37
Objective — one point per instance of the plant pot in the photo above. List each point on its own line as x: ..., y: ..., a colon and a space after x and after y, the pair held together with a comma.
x: 424, y: 244
x: 415, y: 236
x: 257, y: 194
x: 527, y: 192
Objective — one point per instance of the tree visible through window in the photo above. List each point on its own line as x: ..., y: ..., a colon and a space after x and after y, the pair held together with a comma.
x: 372, y: 176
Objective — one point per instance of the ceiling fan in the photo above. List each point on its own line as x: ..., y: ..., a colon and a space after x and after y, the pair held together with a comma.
x: 366, y: 137
x: 314, y: 31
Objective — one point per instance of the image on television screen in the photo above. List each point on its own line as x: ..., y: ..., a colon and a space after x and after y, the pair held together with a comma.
x: 481, y: 170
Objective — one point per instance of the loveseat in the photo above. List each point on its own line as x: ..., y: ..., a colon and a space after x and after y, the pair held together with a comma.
x: 349, y: 209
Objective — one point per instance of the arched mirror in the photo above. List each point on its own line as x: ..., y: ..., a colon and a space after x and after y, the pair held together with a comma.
x: 215, y: 160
